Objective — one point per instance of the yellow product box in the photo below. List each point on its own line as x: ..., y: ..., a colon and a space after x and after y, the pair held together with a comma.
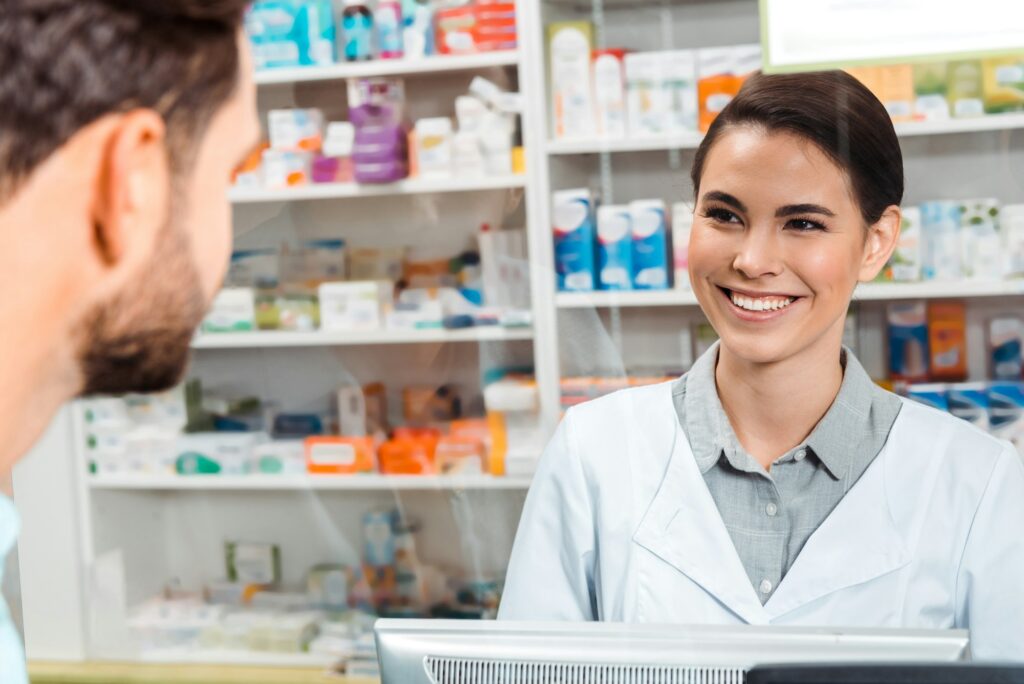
x: 1002, y: 84
x: 965, y: 88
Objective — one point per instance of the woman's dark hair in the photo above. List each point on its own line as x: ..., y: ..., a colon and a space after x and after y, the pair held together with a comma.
x: 834, y: 111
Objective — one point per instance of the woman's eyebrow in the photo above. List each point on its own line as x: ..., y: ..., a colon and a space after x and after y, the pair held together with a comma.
x: 794, y: 209
x: 724, y: 198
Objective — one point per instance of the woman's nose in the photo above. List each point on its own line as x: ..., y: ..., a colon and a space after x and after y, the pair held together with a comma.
x: 758, y: 254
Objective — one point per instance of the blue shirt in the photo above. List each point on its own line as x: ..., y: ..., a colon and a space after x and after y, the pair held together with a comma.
x: 12, y: 656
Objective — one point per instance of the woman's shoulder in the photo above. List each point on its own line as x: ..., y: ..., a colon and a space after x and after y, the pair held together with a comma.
x: 941, y: 437
x: 620, y: 409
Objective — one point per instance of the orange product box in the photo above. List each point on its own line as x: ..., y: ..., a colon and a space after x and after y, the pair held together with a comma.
x: 340, y: 455
x: 896, y: 90
x: 947, y: 340
x: 407, y: 457
x: 461, y: 455
x: 454, y: 30
x: 870, y: 77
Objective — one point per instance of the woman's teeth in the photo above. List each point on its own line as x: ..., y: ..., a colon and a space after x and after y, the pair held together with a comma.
x: 760, y: 304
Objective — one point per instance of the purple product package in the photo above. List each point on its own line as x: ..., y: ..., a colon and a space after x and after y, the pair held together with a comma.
x: 381, y: 149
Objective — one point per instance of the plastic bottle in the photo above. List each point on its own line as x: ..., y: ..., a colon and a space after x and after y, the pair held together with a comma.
x: 389, y: 29
x: 357, y: 25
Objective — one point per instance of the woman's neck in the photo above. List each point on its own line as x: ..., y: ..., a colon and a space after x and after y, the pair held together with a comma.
x: 772, y: 407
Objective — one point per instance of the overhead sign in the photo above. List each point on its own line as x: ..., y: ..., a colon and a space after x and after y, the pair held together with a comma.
x: 799, y: 35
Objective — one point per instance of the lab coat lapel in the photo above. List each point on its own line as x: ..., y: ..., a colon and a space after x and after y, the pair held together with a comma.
x: 857, y: 542
x: 682, y: 525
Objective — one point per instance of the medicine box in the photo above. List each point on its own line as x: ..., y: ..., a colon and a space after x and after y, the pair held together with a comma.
x: 647, y: 103
x: 908, y: 341
x: 355, y: 305
x: 969, y: 401
x: 682, y: 226
x: 650, y: 245
x: 1006, y: 338
x: 680, y: 74
x: 615, y: 247
x: 947, y: 340
x: 284, y: 33
x: 572, y: 98
x: 434, y: 147
x: 940, y: 229
x: 296, y: 130
x: 250, y: 563
x: 233, y: 310
x: 574, y: 235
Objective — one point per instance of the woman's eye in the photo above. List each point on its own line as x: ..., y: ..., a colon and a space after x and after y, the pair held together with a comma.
x: 805, y: 225
x: 722, y: 215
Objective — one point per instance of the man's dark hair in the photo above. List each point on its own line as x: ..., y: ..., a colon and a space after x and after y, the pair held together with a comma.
x: 66, y: 63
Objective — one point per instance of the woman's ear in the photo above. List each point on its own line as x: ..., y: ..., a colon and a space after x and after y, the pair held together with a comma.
x: 881, y: 241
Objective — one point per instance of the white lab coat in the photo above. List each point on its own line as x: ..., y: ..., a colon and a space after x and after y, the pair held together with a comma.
x: 620, y: 526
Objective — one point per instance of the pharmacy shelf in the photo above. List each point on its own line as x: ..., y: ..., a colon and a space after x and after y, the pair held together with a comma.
x: 322, y: 338
x: 604, y: 300
x: 864, y: 293
x: 173, y: 656
x: 305, y: 482
x: 412, y: 186
x: 939, y: 290
x: 598, y: 145
x: 991, y: 122
x: 438, y: 64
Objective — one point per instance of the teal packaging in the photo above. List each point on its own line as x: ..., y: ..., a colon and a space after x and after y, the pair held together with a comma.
x: 932, y: 394
x: 573, y: 225
x: 650, y: 245
x: 969, y: 401
x: 940, y: 230
x: 357, y: 32
x: 290, y: 33
x: 1005, y: 340
x: 615, y: 248
x: 908, y: 341
x: 1006, y: 410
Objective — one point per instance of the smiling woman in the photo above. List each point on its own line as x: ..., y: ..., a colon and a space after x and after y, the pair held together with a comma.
x: 775, y: 483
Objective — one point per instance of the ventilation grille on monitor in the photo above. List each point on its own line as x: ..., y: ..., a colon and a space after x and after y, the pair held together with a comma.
x: 482, y: 671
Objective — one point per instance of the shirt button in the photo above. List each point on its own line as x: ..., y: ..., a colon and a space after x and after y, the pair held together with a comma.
x: 771, y: 509
x: 766, y: 587
x: 800, y: 455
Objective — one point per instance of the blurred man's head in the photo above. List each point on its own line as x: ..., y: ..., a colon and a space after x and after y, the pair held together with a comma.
x: 120, y: 124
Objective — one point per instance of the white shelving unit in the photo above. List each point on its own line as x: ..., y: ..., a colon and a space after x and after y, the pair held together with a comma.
x: 868, y: 292
x: 341, y: 483
x: 414, y: 186
x: 96, y: 527
x: 992, y: 122
x: 426, y: 66
x: 270, y: 339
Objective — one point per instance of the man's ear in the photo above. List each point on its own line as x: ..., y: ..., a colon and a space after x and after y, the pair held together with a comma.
x: 881, y: 241
x: 132, y: 191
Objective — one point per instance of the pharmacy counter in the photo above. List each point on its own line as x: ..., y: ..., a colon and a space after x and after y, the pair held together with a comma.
x: 45, y: 672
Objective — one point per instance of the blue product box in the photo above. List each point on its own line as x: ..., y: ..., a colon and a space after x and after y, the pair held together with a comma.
x: 933, y: 394
x: 379, y: 538
x: 1006, y: 410
x: 969, y: 401
x: 908, y: 341
x: 573, y: 219
x: 615, y: 248
x: 650, y: 245
x: 290, y: 33
x: 1005, y: 336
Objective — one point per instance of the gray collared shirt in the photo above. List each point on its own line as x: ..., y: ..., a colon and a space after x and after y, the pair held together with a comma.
x: 770, y: 516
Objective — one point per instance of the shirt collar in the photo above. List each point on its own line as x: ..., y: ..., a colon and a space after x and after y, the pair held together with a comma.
x: 712, y: 436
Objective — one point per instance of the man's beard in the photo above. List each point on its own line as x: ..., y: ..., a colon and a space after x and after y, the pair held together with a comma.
x: 139, y: 340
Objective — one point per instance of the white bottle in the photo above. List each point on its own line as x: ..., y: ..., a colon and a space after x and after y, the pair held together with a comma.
x: 610, y: 95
